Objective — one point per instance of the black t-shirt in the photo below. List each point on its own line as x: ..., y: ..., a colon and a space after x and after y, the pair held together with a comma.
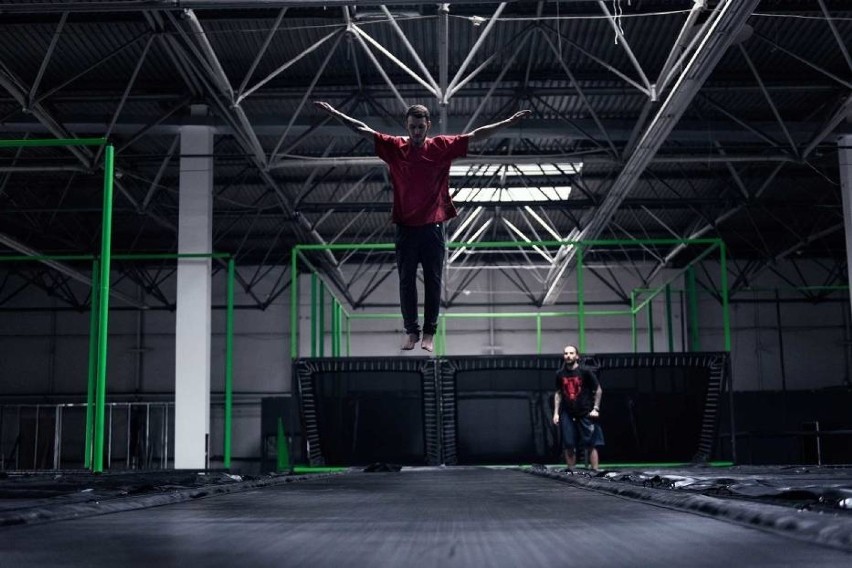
x: 577, y: 387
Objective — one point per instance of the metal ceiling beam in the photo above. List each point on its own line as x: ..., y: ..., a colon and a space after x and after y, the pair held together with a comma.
x: 625, y: 45
x: 204, y: 63
x: 38, y: 7
x: 15, y: 88
x: 282, y: 93
x: 727, y: 20
x: 368, y: 161
x: 841, y: 114
x: 688, y: 131
x: 73, y: 273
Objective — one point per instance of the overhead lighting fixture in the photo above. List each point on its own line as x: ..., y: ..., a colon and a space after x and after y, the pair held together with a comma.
x: 488, y: 170
x: 510, y: 194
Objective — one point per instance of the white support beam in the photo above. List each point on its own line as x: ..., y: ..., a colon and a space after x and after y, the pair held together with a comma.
x: 844, y: 151
x: 193, y: 316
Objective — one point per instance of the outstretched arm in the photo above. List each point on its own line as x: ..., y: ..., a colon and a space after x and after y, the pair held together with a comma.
x: 355, y: 125
x: 484, y: 132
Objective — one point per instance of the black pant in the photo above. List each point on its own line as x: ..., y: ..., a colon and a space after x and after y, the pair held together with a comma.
x: 424, y: 245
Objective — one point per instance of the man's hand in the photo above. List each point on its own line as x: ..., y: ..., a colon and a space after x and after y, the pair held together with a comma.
x: 520, y: 115
x: 324, y: 106
x: 556, y: 419
x: 594, y: 413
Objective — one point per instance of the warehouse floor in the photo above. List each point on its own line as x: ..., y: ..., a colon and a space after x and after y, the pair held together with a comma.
x: 455, y: 516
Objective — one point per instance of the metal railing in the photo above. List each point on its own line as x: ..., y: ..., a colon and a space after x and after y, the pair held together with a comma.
x: 139, y: 435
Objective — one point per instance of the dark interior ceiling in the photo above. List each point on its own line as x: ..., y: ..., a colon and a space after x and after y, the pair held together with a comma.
x: 739, y: 143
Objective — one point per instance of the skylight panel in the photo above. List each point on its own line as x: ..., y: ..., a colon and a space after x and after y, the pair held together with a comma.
x: 510, y: 194
x: 488, y: 170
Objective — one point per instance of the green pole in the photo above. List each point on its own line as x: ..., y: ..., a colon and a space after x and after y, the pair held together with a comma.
x: 313, y: 314
x: 335, y: 338
x: 723, y: 284
x: 229, y: 362
x: 348, y: 335
x: 633, y: 338
x: 103, y: 309
x: 283, y: 461
x: 321, y: 337
x: 294, y: 304
x: 338, y: 324
x: 93, y: 364
x: 538, y: 333
x: 669, y: 326
x: 336, y: 315
x: 650, y: 308
x: 581, y: 313
x: 441, y: 347
x: 692, y: 301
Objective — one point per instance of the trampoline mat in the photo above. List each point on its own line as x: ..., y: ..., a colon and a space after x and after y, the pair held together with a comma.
x: 417, y: 517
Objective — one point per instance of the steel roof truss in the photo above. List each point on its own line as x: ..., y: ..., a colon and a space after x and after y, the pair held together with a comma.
x: 308, y: 93
x: 269, y: 37
x: 840, y: 43
x: 46, y: 60
x: 428, y: 83
x: 679, y: 48
x: 625, y: 45
x: 124, y: 95
x: 541, y: 251
x: 768, y: 98
x: 801, y: 59
x: 155, y: 183
x: 457, y: 81
x: 754, y: 130
x: 496, y: 83
x: 583, y: 99
x: 612, y: 282
x: 366, y: 49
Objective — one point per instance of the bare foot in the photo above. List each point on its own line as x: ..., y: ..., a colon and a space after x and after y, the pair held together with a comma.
x: 410, y: 341
x: 428, y: 343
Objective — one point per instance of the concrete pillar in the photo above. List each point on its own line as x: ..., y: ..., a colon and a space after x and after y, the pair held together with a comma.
x: 844, y: 152
x: 192, y: 329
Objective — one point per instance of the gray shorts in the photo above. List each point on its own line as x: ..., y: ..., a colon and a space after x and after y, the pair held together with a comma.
x: 580, y: 432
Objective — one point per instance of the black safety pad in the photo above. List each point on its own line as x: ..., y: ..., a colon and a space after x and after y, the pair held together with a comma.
x: 37, y: 497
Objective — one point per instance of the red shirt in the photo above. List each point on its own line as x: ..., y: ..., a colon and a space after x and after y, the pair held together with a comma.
x: 421, y: 176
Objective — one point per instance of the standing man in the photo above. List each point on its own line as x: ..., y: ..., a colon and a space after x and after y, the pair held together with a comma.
x: 420, y: 174
x: 577, y: 405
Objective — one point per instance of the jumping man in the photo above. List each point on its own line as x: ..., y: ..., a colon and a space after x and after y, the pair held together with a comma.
x: 420, y: 175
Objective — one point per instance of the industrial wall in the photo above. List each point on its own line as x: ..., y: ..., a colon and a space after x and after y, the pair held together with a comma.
x: 44, y: 345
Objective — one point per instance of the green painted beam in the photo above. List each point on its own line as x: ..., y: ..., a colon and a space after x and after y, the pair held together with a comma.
x: 93, y: 366
x: 52, y: 142
x: 229, y: 362
x: 103, y: 310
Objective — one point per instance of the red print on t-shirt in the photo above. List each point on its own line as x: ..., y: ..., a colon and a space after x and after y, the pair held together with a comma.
x: 571, y: 387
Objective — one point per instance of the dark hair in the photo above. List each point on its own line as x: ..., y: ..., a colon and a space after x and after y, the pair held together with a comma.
x: 416, y: 111
x: 572, y: 345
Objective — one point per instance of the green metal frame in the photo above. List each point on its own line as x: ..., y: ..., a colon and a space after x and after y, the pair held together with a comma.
x: 688, y: 272
x: 99, y: 319
x: 96, y: 392
x: 338, y: 311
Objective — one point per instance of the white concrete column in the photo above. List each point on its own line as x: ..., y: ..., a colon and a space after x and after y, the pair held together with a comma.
x: 844, y: 152
x: 192, y: 329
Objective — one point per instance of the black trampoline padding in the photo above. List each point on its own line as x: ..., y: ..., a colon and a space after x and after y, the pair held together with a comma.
x: 416, y: 517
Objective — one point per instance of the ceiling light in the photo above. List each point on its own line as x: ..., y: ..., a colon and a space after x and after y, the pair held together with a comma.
x: 510, y: 194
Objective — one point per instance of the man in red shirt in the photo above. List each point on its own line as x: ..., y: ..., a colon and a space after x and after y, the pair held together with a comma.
x: 420, y: 174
